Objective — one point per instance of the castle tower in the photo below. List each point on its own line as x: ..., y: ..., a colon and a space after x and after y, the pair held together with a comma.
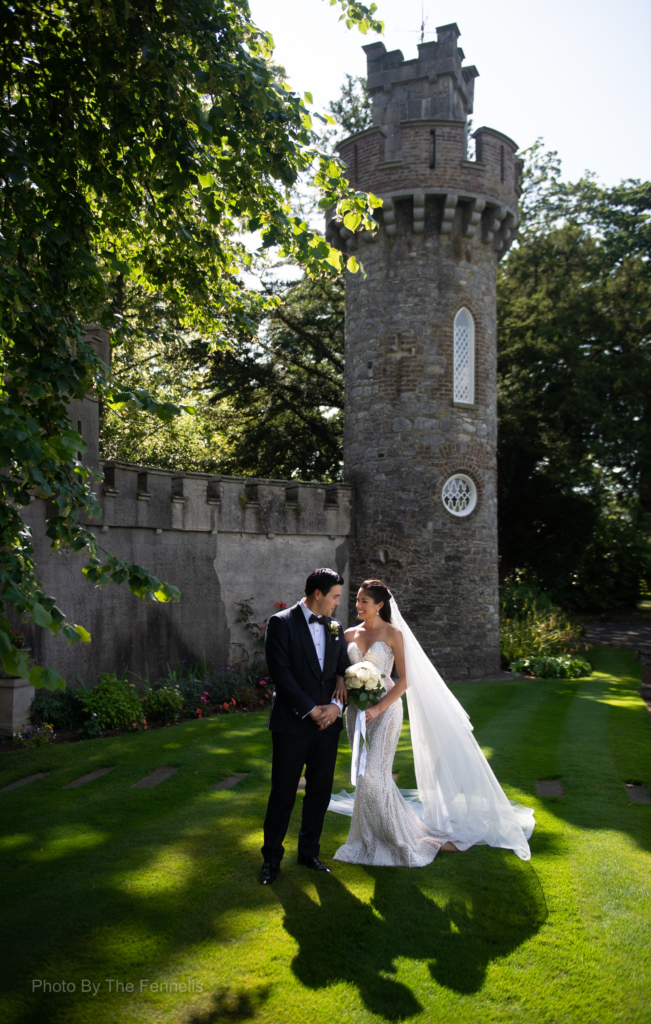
x: 421, y: 407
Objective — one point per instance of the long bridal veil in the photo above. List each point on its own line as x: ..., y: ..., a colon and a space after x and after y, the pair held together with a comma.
x: 457, y: 789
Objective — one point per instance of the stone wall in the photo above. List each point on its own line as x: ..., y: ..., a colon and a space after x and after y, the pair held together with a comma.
x: 444, y: 224
x: 220, y: 539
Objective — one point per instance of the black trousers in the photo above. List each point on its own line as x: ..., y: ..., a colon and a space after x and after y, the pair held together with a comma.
x: 318, y: 753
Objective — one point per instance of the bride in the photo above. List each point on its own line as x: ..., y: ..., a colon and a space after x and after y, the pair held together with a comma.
x: 459, y: 803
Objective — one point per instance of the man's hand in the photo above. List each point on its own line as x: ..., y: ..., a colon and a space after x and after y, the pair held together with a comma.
x: 324, y: 715
x: 330, y: 715
x: 316, y: 714
x: 341, y: 690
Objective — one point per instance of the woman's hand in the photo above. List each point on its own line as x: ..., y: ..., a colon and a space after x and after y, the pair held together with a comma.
x: 372, y: 713
x: 341, y: 690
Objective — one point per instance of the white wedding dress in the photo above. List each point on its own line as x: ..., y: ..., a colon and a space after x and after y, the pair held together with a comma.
x: 458, y: 797
x: 384, y: 829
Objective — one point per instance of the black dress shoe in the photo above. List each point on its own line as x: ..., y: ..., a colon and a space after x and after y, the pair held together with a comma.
x: 269, y: 873
x: 314, y: 863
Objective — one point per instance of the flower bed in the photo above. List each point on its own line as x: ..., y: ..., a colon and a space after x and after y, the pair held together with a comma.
x: 115, y: 706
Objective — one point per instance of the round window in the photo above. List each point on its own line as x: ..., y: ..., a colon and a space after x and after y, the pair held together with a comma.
x: 459, y: 495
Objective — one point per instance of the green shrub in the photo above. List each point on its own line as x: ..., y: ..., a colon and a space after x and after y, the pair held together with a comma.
x: 531, y: 626
x: 163, y: 703
x: 62, y: 708
x: 567, y: 667
x: 114, y: 703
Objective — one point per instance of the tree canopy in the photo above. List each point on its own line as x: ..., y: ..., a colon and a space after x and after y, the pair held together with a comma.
x: 138, y: 141
x: 574, y: 323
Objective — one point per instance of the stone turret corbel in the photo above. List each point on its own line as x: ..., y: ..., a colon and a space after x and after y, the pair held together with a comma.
x: 448, y: 213
x: 419, y: 213
x: 472, y: 216
x: 493, y: 223
x: 507, y: 232
x: 388, y: 209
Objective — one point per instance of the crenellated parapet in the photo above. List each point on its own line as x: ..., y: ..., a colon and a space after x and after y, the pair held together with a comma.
x: 416, y: 152
x: 158, y: 500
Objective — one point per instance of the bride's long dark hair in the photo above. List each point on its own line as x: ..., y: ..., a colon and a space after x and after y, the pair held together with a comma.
x: 379, y: 592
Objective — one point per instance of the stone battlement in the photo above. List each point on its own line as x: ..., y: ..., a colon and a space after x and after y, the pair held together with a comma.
x: 417, y: 150
x: 158, y: 499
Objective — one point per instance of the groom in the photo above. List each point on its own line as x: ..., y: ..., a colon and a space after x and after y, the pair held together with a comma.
x: 306, y: 651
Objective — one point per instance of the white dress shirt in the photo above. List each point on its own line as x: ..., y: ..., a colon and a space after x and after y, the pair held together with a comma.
x: 318, y: 634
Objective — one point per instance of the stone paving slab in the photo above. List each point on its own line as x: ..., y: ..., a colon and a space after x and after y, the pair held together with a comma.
x: 550, y: 787
x: 637, y: 794
x: 155, y: 778
x: 231, y: 781
x: 23, y: 782
x: 83, y: 780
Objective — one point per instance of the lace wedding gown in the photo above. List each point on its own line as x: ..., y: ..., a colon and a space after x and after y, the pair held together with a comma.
x: 384, y: 829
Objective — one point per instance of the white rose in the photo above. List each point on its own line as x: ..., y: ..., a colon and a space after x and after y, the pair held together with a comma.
x: 353, y: 683
x: 371, y: 684
x: 363, y: 674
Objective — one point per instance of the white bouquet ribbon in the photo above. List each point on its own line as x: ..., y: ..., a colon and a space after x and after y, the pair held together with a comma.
x: 360, y: 746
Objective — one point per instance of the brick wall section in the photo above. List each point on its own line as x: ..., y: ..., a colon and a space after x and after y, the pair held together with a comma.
x: 452, y: 172
x: 404, y: 436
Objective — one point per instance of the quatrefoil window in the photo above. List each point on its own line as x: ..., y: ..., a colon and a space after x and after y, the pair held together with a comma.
x: 459, y: 494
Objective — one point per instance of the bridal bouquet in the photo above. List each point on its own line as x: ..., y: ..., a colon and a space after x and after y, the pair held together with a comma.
x: 364, y: 684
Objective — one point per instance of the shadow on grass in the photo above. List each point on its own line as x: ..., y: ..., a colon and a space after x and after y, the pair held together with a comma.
x: 484, y: 916
x: 227, y: 1005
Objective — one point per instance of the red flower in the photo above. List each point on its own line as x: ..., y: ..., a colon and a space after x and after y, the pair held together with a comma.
x: 232, y: 702
x: 225, y: 706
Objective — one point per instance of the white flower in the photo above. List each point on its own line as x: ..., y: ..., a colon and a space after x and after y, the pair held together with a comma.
x: 370, y: 684
x: 363, y: 674
x: 353, y: 683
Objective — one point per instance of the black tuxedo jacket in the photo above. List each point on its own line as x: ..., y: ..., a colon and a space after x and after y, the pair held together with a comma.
x: 295, y: 671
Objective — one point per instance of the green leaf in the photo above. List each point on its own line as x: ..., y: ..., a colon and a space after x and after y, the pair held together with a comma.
x: 46, y: 678
x: 41, y: 616
x: 5, y: 642
x: 352, y: 265
x: 15, y: 663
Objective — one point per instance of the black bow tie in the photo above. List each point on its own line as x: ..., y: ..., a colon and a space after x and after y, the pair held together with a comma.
x: 317, y: 618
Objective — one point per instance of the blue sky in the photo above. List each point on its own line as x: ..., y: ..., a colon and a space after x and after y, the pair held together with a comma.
x: 574, y: 72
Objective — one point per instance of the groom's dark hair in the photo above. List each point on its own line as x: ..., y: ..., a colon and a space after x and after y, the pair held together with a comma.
x: 323, y: 580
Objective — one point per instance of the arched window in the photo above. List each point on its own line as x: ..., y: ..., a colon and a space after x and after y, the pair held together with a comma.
x: 464, y: 358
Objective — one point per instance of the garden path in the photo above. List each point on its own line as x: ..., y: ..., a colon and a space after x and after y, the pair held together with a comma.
x: 632, y: 635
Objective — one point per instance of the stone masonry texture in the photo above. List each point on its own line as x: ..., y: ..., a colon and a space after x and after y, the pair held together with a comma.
x: 442, y: 230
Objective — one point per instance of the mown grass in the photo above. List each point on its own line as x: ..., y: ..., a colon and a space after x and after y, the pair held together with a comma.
x: 111, y: 883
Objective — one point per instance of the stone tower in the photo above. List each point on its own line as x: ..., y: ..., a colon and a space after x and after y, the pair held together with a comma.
x: 421, y: 410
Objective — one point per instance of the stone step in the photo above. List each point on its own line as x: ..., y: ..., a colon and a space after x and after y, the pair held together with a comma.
x: 23, y: 782
x: 637, y: 794
x: 83, y: 780
x: 231, y: 781
x: 550, y: 787
x: 155, y: 778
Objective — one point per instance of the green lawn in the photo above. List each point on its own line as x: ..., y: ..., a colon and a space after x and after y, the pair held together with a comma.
x: 111, y: 883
